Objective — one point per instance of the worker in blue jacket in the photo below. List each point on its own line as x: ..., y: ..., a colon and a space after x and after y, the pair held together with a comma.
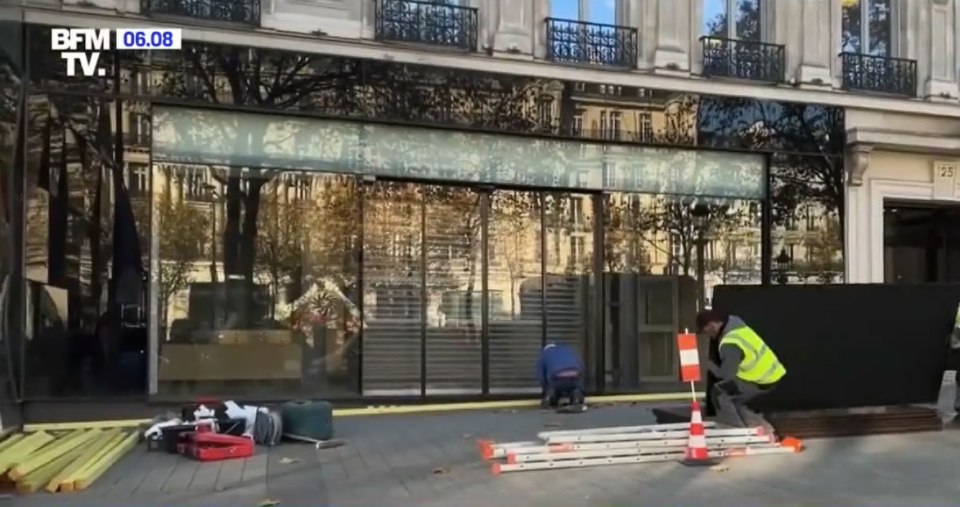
x: 560, y: 371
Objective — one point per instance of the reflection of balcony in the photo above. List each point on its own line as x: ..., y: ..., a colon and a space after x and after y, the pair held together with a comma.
x: 571, y: 41
x: 423, y: 22
x: 742, y: 59
x: 881, y: 74
x: 246, y: 12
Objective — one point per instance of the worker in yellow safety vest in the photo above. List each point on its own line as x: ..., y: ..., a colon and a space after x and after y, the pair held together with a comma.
x: 748, y: 368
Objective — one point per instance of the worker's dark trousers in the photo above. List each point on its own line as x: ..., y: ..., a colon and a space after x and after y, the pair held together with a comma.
x: 737, y: 395
x: 568, y: 386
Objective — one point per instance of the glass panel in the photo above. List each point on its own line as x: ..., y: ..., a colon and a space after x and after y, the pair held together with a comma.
x: 852, y: 20
x: 602, y: 11
x: 393, y: 303
x: 565, y: 9
x: 245, y: 139
x: 515, y: 291
x: 715, y: 18
x: 569, y: 277
x: 255, y: 281
x: 454, y: 290
x: 627, y: 253
x: 806, y: 209
x: 86, y: 329
x: 748, y: 20
x: 879, y: 27
x: 307, y: 249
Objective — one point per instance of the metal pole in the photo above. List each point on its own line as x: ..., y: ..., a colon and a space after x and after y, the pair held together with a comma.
x: 701, y: 270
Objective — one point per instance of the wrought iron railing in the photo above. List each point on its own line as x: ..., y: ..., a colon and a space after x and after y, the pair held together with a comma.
x: 424, y: 22
x: 232, y: 11
x: 571, y: 41
x: 743, y: 59
x: 881, y: 74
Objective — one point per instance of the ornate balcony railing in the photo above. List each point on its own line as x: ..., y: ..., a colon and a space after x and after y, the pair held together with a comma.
x: 423, y: 22
x: 881, y: 74
x: 743, y: 59
x: 591, y: 43
x: 246, y: 12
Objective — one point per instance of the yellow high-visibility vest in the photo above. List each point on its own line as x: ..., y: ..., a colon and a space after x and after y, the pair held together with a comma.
x: 759, y: 365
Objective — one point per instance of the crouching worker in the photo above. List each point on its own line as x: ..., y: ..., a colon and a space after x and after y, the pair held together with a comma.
x: 748, y: 368
x: 561, y: 375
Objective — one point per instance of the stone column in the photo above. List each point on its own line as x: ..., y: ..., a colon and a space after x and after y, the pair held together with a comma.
x: 673, y: 35
x: 514, y: 27
x: 789, y: 33
x: 941, y: 75
x: 816, y: 48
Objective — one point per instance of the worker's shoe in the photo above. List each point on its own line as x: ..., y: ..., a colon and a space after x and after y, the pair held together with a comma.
x: 577, y: 397
x: 549, y: 399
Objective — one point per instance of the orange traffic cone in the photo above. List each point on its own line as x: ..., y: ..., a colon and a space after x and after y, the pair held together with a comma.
x: 697, y: 452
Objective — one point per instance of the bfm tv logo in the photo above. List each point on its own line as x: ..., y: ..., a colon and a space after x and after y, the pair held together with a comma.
x: 82, y: 46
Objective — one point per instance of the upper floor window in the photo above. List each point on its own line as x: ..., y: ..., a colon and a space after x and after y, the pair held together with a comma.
x: 745, y: 16
x: 867, y: 27
x: 592, y: 11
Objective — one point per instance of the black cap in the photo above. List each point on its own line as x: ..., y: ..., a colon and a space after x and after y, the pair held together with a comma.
x: 707, y: 316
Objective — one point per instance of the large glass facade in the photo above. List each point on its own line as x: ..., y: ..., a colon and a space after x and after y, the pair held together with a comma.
x: 12, y: 120
x: 409, y: 231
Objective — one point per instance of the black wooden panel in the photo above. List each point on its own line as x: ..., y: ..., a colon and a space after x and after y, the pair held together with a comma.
x: 849, y: 345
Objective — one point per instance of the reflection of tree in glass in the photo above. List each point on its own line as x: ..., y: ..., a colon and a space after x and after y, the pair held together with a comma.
x: 671, y: 221
x: 514, y: 227
x: 808, y: 138
x: 77, y: 158
x: 281, y: 230
x: 747, y: 20
x: 183, y: 229
x: 624, y: 227
x: 878, y: 30
x: 731, y: 266
x: 823, y: 258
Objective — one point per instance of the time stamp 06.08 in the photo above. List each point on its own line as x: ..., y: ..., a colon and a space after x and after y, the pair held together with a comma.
x: 80, y: 48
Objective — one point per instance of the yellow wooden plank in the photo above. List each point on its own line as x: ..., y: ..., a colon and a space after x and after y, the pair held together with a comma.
x: 18, y: 451
x: 108, y: 460
x: 64, y: 482
x: 50, y: 453
x: 8, y: 443
x: 37, y: 478
x: 86, y: 425
x: 88, y: 450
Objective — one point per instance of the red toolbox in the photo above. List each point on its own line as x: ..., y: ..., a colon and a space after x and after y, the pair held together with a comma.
x: 209, y: 446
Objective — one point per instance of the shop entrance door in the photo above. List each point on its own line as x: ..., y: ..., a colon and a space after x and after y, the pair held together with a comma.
x: 921, y: 243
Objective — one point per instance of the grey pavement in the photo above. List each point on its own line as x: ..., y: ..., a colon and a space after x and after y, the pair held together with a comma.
x: 432, y: 460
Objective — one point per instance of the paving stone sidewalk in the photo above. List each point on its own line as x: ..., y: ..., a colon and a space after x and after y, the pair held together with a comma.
x: 431, y: 460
